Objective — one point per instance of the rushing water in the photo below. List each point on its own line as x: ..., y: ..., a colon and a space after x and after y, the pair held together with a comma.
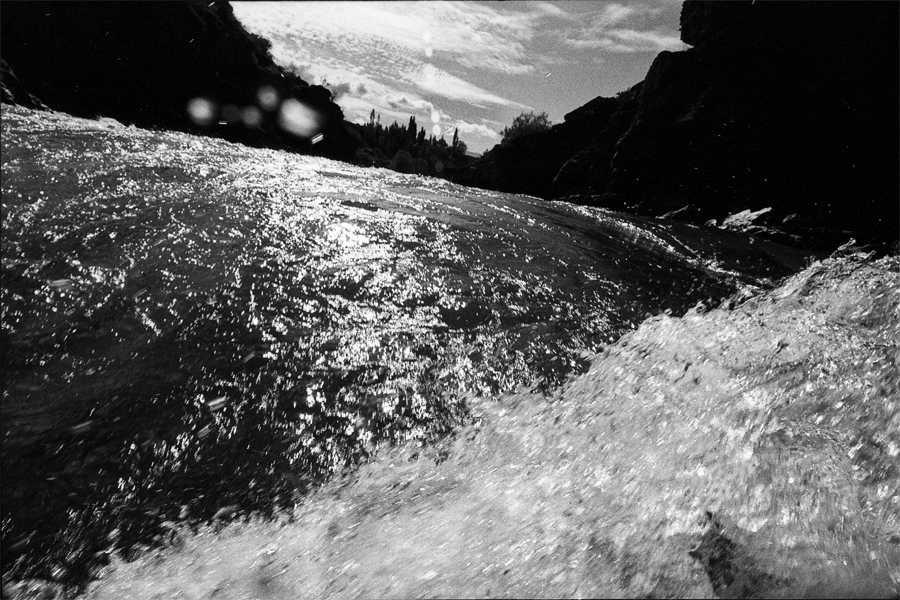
x: 194, y: 329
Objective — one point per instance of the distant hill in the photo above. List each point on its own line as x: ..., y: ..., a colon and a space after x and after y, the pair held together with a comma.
x: 787, y: 106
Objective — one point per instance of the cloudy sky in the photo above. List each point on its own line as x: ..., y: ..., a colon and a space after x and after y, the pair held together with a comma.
x: 468, y: 65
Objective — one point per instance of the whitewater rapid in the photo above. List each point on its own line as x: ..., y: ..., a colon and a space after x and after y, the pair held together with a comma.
x: 192, y: 326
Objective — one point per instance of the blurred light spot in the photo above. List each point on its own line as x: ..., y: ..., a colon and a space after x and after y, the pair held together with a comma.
x: 435, y: 117
x: 251, y: 116
x: 317, y: 138
x: 267, y: 97
x: 426, y: 35
x: 299, y: 119
x: 429, y: 51
x: 436, y: 130
x: 201, y: 111
x: 231, y: 114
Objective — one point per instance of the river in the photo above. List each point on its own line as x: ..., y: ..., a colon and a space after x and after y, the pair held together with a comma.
x: 197, y: 330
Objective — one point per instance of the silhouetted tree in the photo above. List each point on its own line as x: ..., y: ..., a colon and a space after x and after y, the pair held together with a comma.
x: 458, y: 147
x: 406, y: 143
x: 411, y: 132
x: 420, y: 143
x: 525, y: 124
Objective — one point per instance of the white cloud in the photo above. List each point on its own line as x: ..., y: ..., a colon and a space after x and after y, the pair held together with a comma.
x: 492, y: 122
x: 552, y: 10
x: 630, y: 40
x: 358, y: 111
x: 479, y: 36
x: 649, y: 40
x: 467, y: 33
x: 494, y: 63
x: 372, y: 41
x: 476, y: 129
x: 612, y: 14
x: 437, y: 81
x: 622, y: 28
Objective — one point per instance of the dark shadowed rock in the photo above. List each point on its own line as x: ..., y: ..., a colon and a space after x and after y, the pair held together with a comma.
x: 788, y: 105
x: 143, y: 62
x: 791, y: 106
x: 13, y: 92
x: 529, y: 164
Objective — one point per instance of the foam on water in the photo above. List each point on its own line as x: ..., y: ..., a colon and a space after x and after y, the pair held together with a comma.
x: 687, y: 462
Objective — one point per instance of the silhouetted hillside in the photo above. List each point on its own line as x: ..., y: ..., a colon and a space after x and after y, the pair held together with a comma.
x: 143, y: 62
x: 788, y: 105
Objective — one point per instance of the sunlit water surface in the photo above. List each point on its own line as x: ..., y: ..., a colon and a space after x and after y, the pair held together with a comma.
x: 194, y: 329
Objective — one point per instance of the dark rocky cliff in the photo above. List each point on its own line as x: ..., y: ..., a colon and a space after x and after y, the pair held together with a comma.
x: 143, y: 62
x: 13, y: 92
x: 788, y: 105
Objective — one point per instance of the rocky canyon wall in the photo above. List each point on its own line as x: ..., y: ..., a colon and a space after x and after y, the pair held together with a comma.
x: 787, y: 106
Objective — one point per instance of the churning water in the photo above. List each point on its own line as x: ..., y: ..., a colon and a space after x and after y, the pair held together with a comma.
x: 194, y: 329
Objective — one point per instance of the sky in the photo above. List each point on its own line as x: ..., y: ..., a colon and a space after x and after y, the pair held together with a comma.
x: 471, y: 66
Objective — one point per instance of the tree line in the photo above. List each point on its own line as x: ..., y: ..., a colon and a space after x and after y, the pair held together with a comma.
x: 409, y: 148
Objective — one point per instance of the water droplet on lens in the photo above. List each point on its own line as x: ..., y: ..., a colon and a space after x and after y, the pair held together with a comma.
x: 251, y: 116
x: 299, y: 119
x: 267, y: 97
x: 201, y: 111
